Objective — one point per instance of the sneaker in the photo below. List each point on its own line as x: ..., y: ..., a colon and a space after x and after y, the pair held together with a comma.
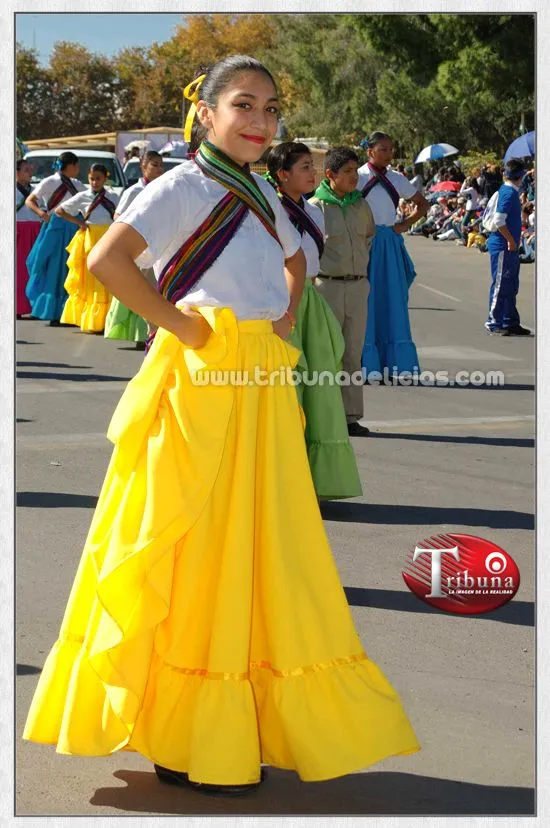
x: 357, y: 430
x: 517, y: 330
x: 497, y: 331
x: 170, y: 777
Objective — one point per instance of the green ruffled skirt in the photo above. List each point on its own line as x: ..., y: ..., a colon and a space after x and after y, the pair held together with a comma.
x: 319, y: 338
x: 122, y: 323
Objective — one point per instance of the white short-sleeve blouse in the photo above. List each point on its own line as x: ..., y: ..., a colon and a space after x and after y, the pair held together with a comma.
x: 378, y: 199
x: 248, y: 276
x: 81, y: 201
x: 47, y: 187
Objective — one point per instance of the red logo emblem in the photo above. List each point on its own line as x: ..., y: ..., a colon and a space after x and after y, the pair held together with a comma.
x: 461, y: 574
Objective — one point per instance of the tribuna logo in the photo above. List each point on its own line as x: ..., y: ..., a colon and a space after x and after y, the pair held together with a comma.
x: 461, y: 574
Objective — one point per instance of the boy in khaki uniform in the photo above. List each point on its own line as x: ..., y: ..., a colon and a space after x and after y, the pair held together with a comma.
x: 349, y: 230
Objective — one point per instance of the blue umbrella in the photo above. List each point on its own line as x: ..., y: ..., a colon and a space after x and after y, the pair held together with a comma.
x: 522, y: 147
x: 434, y: 152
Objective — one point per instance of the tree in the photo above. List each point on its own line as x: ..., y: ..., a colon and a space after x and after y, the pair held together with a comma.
x: 132, y: 67
x: 327, y: 75
x: 477, y: 69
x: 34, y: 95
x: 84, y: 87
x: 211, y: 37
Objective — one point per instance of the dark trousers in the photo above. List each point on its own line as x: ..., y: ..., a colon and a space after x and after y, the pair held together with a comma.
x: 504, y: 288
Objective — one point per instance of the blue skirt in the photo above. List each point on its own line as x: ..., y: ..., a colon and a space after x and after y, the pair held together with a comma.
x: 47, y: 267
x: 388, y: 342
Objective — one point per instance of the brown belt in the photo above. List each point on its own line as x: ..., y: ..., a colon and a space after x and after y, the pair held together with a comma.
x: 341, y: 278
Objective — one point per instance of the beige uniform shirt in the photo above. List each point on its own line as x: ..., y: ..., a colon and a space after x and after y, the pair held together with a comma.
x: 348, y: 238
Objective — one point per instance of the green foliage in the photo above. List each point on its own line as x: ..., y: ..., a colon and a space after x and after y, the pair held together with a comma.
x: 464, y: 79
x: 334, y: 76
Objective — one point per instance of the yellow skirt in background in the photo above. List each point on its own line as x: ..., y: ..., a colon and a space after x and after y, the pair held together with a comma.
x: 207, y: 628
x: 88, y: 302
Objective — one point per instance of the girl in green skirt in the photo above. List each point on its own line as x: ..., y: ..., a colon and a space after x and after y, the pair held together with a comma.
x: 317, y: 334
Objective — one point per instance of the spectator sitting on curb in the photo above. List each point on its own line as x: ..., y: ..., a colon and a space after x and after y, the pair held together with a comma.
x: 449, y: 227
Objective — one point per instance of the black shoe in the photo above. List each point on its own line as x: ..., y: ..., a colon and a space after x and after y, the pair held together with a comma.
x: 180, y: 779
x: 517, y: 330
x: 497, y: 331
x: 140, y: 346
x: 55, y: 323
x: 357, y: 430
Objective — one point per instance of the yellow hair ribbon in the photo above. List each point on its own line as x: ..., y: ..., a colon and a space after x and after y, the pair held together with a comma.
x: 191, y: 92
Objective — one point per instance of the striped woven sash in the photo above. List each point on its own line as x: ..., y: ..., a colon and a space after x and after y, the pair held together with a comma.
x: 100, y: 198
x: 198, y: 252
x: 380, y: 177
x: 302, y: 221
x: 57, y: 196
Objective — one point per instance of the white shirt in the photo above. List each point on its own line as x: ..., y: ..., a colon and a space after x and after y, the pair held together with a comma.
x: 473, y: 197
x: 24, y: 214
x: 47, y: 187
x: 248, y: 276
x: 311, y: 251
x: 418, y: 183
x: 129, y: 195
x: 378, y: 199
x: 81, y: 201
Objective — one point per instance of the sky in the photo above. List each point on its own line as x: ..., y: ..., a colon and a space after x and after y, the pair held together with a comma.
x: 101, y: 32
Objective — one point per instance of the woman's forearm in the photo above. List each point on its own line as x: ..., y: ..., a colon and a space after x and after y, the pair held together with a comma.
x: 121, y: 276
x: 61, y: 213
x: 32, y: 204
x: 295, y: 274
x: 111, y: 260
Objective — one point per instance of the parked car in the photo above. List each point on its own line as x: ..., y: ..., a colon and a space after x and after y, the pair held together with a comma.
x: 132, y: 170
x: 43, y: 159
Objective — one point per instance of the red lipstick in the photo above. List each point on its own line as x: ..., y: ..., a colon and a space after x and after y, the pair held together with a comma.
x: 255, y: 139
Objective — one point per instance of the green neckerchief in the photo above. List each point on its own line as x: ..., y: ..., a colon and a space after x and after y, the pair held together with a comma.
x: 324, y: 192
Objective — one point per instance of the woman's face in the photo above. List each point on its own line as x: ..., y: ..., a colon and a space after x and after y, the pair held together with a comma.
x: 245, y: 119
x: 72, y: 170
x: 153, y: 169
x: 301, y: 176
x: 96, y: 180
x: 382, y: 153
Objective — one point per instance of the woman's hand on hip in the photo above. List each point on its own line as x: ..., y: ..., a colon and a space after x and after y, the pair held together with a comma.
x: 195, y: 330
x: 282, y: 327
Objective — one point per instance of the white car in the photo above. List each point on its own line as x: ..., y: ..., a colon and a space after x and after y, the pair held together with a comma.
x: 132, y: 169
x: 43, y: 159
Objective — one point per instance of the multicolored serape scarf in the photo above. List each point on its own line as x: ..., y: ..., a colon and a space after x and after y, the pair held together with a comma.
x: 302, y: 221
x: 57, y: 196
x: 380, y: 177
x: 199, y: 252
x: 100, y: 198
x: 298, y: 215
x: 203, y: 247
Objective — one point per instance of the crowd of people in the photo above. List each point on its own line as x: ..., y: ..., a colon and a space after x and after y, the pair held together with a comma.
x: 456, y: 213
x: 207, y: 628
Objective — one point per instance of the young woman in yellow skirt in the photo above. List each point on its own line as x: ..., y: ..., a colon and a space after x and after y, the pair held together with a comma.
x: 207, y: 628
x: 93, y: 211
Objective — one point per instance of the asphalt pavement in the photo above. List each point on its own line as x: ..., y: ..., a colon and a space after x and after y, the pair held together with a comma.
x: 453, y: 458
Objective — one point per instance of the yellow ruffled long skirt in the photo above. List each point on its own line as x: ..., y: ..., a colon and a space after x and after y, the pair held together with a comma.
x: 88, y: 302
x: 207, y: 628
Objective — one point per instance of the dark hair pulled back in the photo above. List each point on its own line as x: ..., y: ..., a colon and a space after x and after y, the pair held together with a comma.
x: 218, y: 77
